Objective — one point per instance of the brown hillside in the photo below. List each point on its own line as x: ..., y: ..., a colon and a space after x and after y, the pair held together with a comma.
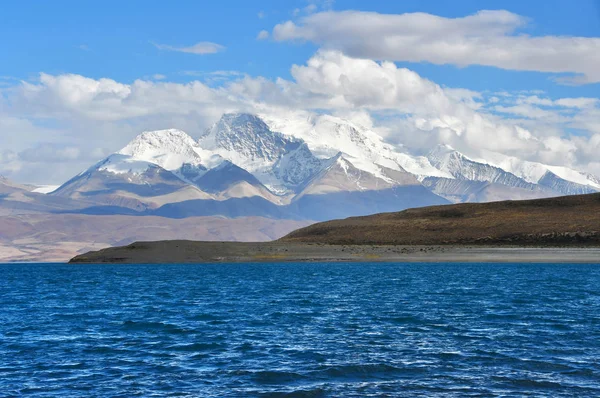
x: 568, y: 220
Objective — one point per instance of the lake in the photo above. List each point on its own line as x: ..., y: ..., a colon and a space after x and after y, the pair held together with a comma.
x: 300, y: 330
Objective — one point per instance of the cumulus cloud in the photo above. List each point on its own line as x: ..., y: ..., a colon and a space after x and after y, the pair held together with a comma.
x: 487, y: 38
x: 75, y: 96
x: 418, y: 113
x: 201, y: 48
x: 406, y: 108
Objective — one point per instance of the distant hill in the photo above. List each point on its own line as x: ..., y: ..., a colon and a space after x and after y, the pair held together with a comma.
x: 540, y: 230
x: 568, y: 220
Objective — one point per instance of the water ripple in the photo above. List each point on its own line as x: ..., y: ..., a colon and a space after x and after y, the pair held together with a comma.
x: 300, y: 330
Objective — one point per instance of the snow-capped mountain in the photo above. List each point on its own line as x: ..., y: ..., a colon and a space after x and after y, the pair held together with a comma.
x: 327, y: 135
x: 341, y: 189
x: 280, y: 162
x: 505, y: 178
x: 460, y: 167
x: 561, y: 179
x: 300, y: 167
x: 474, y: 181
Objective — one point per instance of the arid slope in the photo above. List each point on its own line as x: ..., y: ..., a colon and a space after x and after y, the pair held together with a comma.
x: 567, y: 220
x: 565, y: 229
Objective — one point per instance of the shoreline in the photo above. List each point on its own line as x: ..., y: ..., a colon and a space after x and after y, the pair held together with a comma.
x: 169, y: 252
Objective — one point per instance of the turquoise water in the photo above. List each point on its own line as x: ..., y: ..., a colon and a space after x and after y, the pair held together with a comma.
x: 300, y: 330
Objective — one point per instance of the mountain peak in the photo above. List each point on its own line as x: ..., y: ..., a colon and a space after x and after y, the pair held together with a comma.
x: 443, y: 151
x: 247, y: 137
x: 240, y: 118
x: 171, y: 139
x: 169, y: 148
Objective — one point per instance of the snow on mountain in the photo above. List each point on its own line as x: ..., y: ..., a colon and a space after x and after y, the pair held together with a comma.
x: 297, y: 166
x: 123, y: 164
x: 527, y: 180
x: 563, y: 186
x: 45, y: 189
x: 245, y: 138
x: 327, y: 135
x: 575, y: 176
x: 123, y: 182
x: 301, y: 166
x: 280, y: 162
x: 169, y: 149
x: 341, y: 189
x: 340, y: 174
x: 534, y: 172
x: 448, y: 160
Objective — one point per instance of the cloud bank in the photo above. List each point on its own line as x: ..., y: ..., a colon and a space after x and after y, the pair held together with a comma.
x: 91, y: 117
x: 489, y: 38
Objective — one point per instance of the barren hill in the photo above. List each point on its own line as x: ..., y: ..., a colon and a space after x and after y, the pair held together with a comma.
x: 568, y: 220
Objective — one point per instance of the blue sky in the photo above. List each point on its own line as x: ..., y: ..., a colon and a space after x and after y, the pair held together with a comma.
x: 79, y: 79
x: 114, y: 38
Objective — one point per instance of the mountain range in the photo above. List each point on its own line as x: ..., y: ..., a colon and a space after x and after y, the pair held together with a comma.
x: 316, y: 169
x: 298, y: 168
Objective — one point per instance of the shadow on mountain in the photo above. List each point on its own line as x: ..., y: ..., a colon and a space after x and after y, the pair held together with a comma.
x: 310, y: 207
x: 105, y: 211
x: 143, y: 190
x: 230, y: 208
x: 329, y: 206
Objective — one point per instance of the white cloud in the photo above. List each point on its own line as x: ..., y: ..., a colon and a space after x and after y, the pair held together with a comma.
x: 580, y: 102
x: 48, y: 152
x: 201, y: 48
x: 96, y: 116
x: 309, y: 9
x: 577, y: 102
x: 262, y: 35
x: 158, y: 76
x: 486, y: 38
x: 528, y: 111
x: 261, y: 14
x: 313, y: 6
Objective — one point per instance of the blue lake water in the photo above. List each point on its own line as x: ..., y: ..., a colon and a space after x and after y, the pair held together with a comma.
x: 300, y: 330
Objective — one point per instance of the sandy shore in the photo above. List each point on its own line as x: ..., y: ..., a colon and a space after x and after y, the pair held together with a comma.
x: 211, y: 252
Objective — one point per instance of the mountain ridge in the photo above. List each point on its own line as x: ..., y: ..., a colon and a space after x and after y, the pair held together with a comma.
x: 284, y: 161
